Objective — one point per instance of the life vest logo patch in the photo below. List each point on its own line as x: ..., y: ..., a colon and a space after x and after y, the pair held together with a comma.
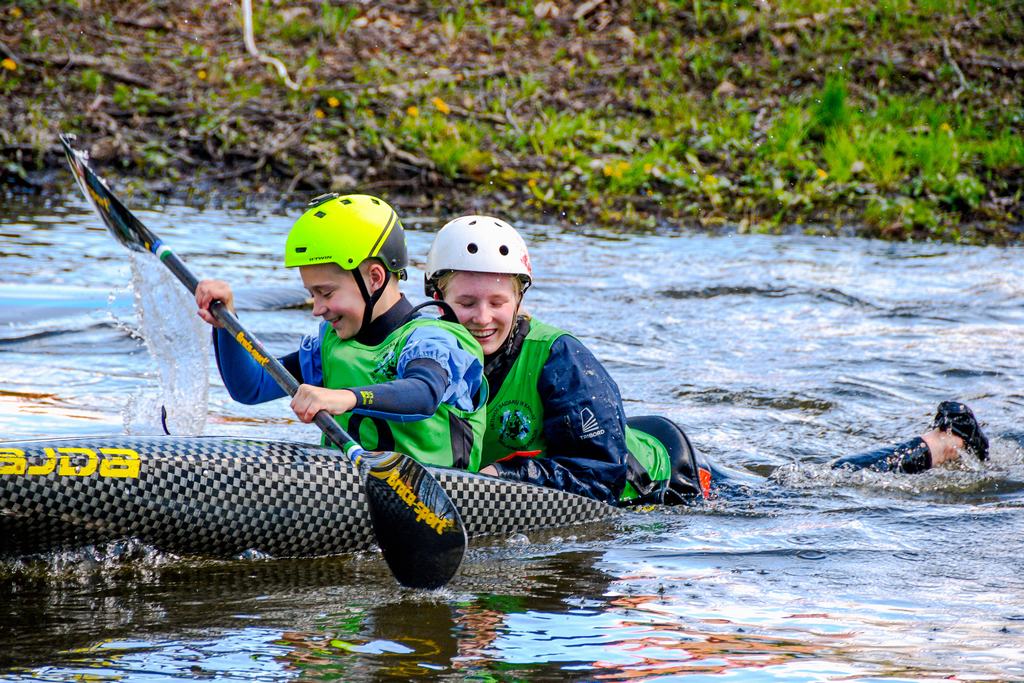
x: 514, y: 423
x: 385, y: 367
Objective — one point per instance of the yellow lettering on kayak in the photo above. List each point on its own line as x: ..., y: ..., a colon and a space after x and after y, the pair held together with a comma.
x: 12, y: 461
x: 73, y: 462
x: 68, y: 469
x: 47, y: 467
x: 119, y: 462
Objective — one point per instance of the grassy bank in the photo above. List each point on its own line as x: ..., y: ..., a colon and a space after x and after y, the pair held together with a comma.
x: 898, y: 119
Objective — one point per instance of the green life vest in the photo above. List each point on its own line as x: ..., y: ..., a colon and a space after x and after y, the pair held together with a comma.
x: 451, y: 437
x: 515, y: 414
x: 652, y: 456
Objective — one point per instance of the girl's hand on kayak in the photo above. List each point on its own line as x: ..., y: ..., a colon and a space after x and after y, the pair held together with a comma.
x: 208, y: 291
x: 310, y: 400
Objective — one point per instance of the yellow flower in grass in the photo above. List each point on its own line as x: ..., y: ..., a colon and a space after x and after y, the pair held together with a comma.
x: 821, y: 173
x: 319, y: 113
x: 946, y: 128
x: 441, y: 105
x: 616, y: 170
x: 16, y: 12
x: 333, y: 102
x: 9, y: 64
x: 201, y: 74
x: 413, y: 111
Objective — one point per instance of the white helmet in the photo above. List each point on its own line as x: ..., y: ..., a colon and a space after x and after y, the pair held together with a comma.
x: 479, y: 244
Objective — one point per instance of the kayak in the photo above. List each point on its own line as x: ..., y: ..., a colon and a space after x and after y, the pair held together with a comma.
x: 223, y: 496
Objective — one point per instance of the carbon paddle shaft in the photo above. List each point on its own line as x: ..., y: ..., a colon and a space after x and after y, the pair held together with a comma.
x: 417, y: 526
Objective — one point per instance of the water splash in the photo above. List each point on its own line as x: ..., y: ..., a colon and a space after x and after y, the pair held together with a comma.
x: 179, y: 343
x: 964, y: 477
x: 100, y: 563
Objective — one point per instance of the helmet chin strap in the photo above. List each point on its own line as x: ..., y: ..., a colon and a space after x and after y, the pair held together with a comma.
x: 369, y: 299
x: 514, y: 328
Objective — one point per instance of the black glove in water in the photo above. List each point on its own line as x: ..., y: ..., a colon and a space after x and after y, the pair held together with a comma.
x: 958, y: 418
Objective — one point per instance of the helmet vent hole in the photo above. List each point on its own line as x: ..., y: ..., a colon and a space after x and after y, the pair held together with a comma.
x: 346, y: 201
x: 472, y: 248
x: 377, y: 202
x: 321, y: 199
x: 503, y: 250
x: 319, y: 214
x: 350, y: 260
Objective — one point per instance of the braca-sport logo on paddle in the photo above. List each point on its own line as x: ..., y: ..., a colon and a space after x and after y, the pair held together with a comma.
x: 251, y: 348
x: 415, y: 502
x: 393, y: 478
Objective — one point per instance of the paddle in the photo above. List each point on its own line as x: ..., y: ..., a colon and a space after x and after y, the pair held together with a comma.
x: 417, y: 525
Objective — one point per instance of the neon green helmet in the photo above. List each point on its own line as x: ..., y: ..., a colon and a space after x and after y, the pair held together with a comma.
x: 347, y: 230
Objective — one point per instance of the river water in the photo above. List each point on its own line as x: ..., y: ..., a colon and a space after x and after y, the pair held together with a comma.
x: 775, y: 353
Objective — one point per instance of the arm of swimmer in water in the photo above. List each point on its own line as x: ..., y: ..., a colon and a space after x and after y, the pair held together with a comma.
x: 909, y: 457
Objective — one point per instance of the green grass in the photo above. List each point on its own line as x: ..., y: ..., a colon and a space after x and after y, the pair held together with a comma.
x: 830, y: 110
x: 334, y: 20
x: 454, y: 147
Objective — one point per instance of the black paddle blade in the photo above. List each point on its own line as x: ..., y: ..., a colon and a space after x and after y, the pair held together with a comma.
x: 418, y: 527
x: 121, y: 223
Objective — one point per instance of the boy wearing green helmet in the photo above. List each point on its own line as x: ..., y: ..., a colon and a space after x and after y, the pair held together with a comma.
x: 392, y: 379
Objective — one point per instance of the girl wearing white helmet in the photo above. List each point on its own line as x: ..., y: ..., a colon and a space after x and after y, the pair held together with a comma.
x: 554, y: 415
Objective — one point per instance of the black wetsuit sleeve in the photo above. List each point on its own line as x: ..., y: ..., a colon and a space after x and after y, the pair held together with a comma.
x: 414, y: 397
x: 291, y: 364
x: 910, y: 457
x: 584, y: 426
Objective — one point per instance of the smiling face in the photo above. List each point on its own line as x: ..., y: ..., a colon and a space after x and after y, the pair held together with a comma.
x: 486, y: 304
x: 336, y: 297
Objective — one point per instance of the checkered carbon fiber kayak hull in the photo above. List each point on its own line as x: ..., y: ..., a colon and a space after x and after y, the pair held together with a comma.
x: 222, y: 496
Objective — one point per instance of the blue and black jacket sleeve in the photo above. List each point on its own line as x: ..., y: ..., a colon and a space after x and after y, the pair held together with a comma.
x: 414, y: 396
x: 584, y: 426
